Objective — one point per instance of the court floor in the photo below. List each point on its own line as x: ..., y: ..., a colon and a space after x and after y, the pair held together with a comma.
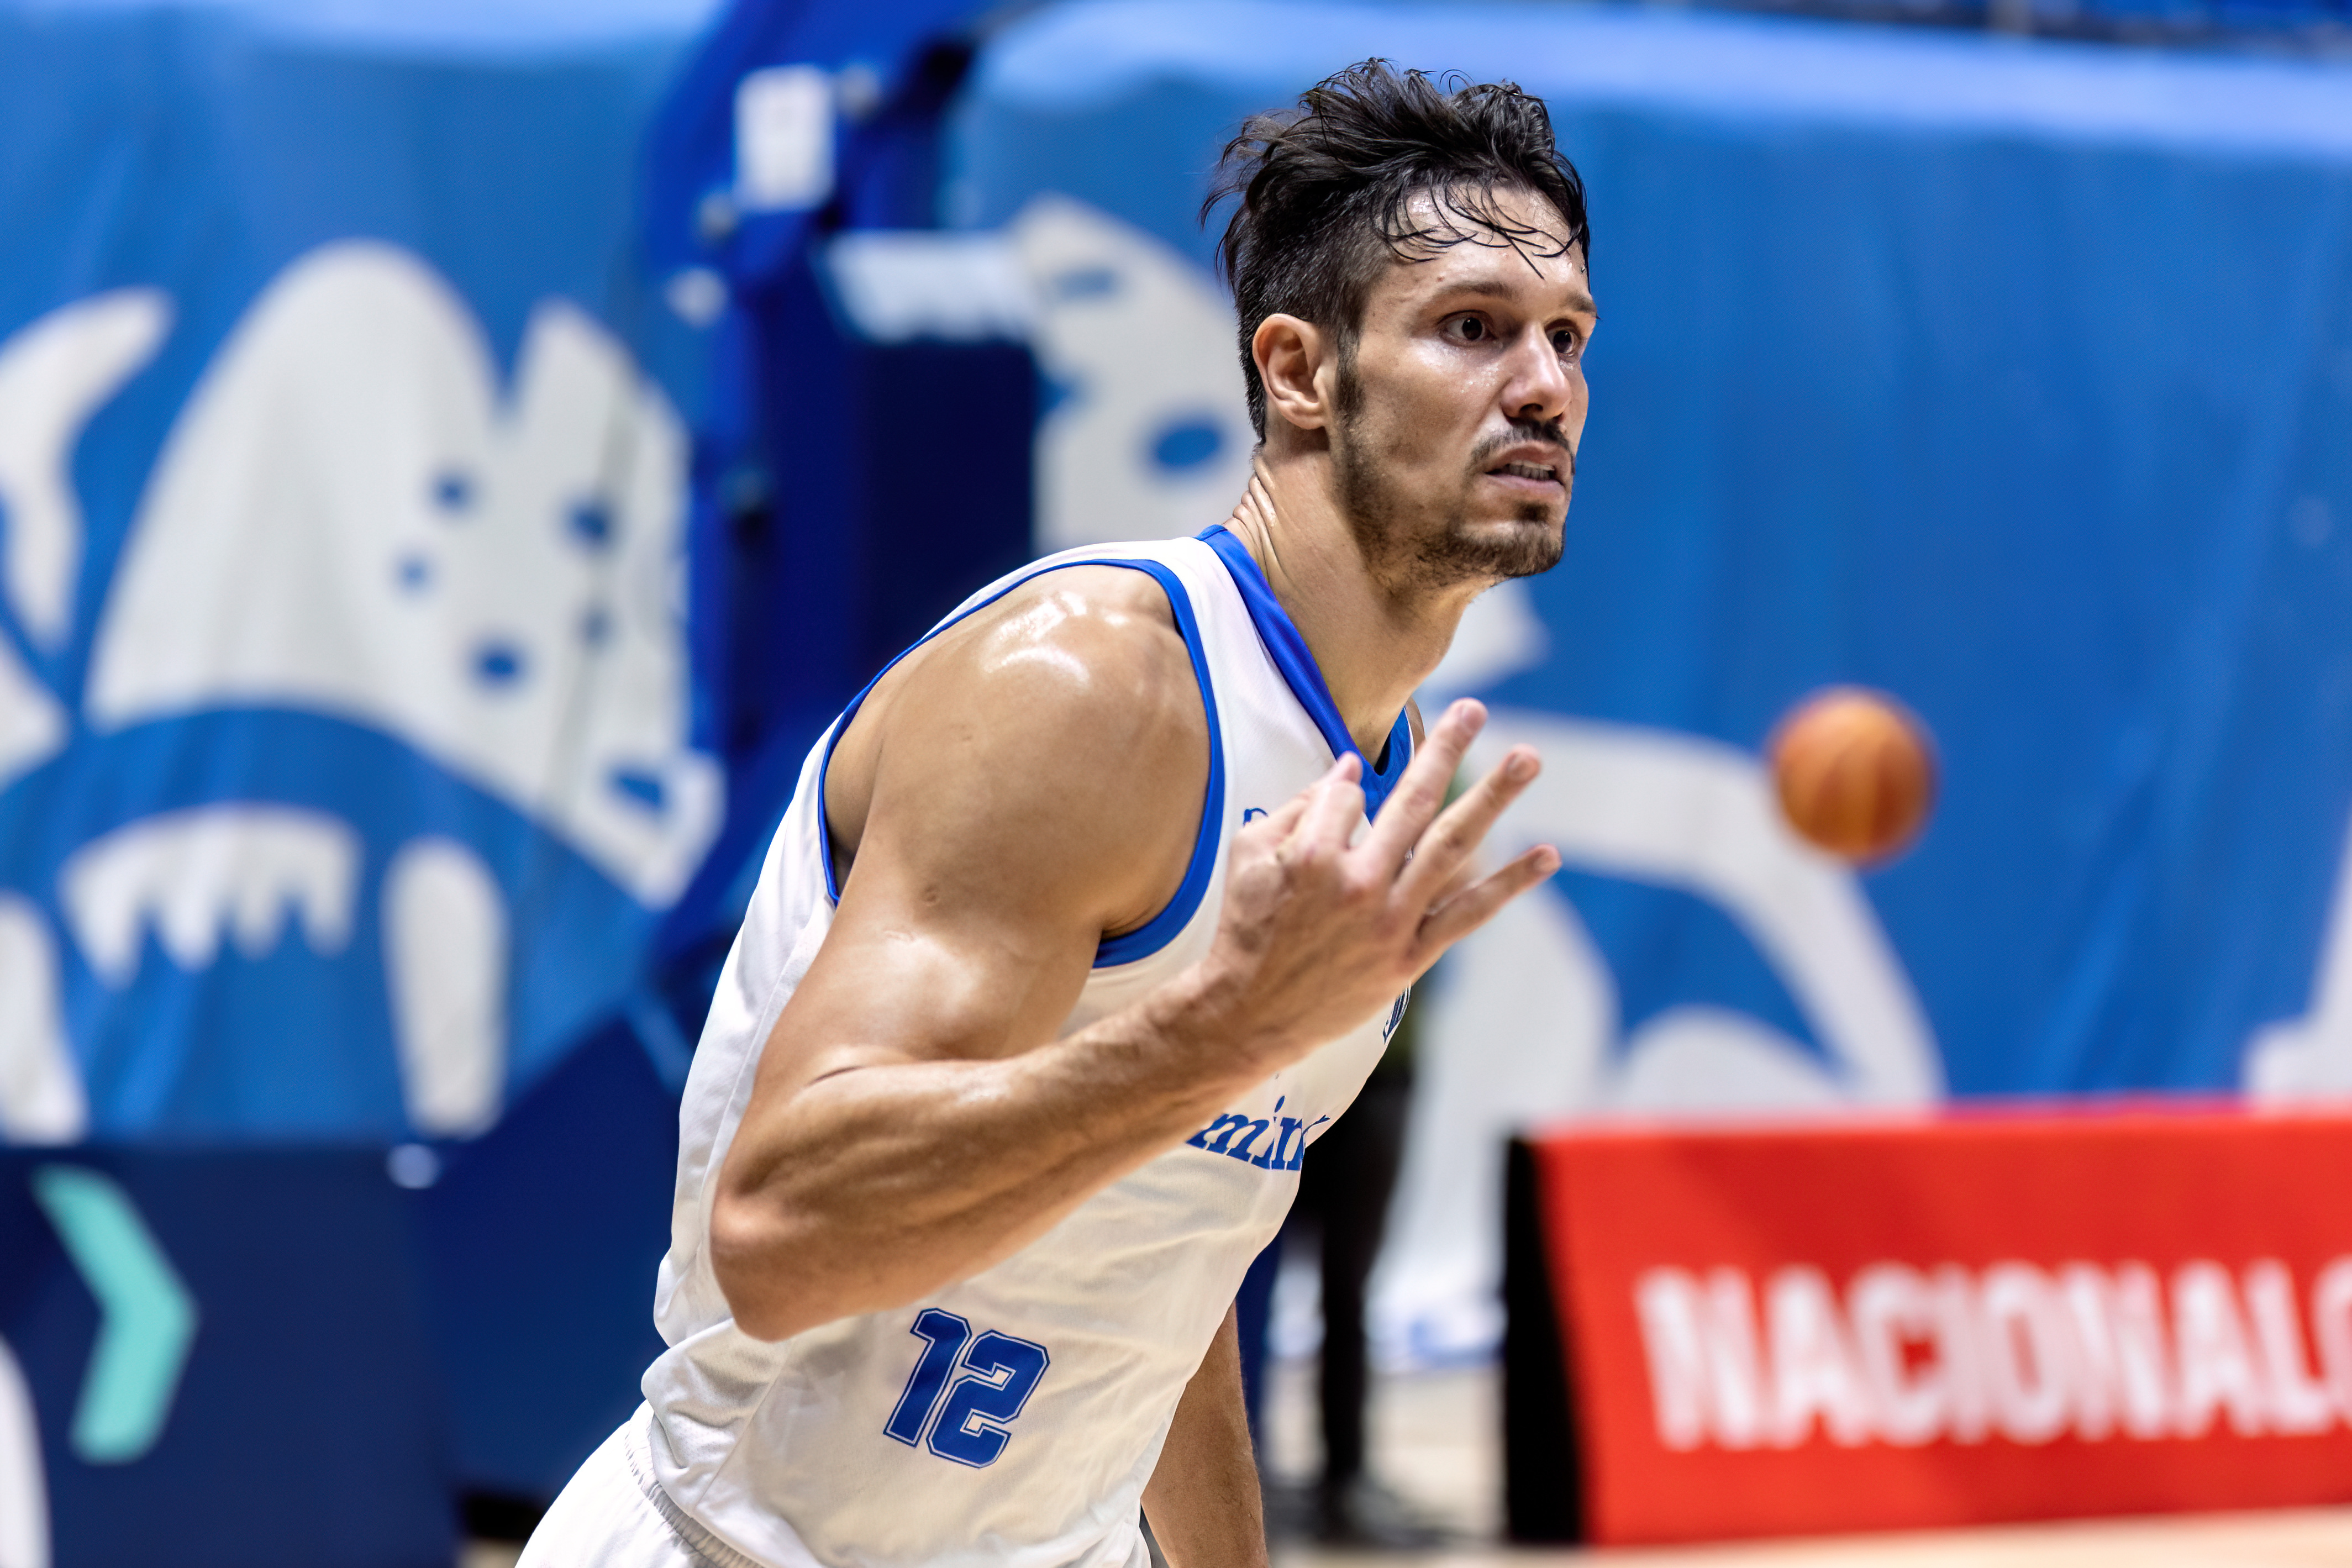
x: 1435, y: 1440
x: 2317, y: 1538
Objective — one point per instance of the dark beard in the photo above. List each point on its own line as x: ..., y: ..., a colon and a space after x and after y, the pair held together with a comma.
x: 1454, y: 555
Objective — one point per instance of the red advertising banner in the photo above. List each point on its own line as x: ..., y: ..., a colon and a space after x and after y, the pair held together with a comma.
x: 1951, y: 1321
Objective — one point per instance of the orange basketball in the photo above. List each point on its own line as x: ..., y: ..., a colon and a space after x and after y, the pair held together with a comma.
x: 1854, y: 770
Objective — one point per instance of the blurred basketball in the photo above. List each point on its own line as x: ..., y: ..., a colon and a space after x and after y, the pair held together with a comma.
x: 1854, y: 770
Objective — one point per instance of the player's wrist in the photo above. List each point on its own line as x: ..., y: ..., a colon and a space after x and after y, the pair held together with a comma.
x: 1225, y: 1044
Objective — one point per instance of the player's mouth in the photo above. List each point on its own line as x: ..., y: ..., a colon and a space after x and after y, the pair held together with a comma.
x: 1532, y: 463
x: 1532, y: 472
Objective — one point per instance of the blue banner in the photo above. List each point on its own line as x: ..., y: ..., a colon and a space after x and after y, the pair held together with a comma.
x: 350, y: 765
x: 2006, y: 376
x: 347, y: 755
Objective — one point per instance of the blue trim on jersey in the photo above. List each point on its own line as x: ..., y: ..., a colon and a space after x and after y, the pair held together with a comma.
x: 1290, y: 655
x: 1161, y: 929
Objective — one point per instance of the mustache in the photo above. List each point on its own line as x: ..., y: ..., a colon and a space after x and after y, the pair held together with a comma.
x: 1521, y: 432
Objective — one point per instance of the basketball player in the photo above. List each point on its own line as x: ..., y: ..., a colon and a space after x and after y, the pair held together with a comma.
x: 1076, y: 935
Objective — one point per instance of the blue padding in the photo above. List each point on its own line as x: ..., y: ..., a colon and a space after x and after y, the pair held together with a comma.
x: 1080, y: 57
x: 277, y: 1445
x: 439, y: 28
x: 1158, y: 931
x: 1291, y: 656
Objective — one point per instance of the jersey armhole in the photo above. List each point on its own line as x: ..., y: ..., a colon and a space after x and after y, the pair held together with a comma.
x: 1157, y: 932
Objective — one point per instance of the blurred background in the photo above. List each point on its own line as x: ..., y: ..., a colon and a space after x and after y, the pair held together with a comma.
x: 455, y: 458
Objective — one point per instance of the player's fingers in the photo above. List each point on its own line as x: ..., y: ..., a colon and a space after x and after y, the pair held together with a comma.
x: 1475, y: 906
x: 1292, y: 812
x: 1420, y: 795
x: 1330, y: 808
x: 1277, y: 825
x: 1469, y: 871
x: 1449, y: 842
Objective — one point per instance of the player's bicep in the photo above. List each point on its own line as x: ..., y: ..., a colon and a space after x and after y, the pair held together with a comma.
x: 1019, y: 808
x: 903, y: 977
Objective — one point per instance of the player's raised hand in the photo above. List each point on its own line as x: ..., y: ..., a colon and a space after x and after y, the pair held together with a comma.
x: 1319, y: 933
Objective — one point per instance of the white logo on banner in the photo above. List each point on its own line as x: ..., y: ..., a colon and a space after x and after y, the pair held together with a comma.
x: 2311, y: 1056
x: 1152, y: 439
x: 499, y: 586
x: 54, y: 376
x: 444, y: 960
x: 1913, y: 1356
x: 41, y: 1096
x: 191, y: 876
x: 348, y: 517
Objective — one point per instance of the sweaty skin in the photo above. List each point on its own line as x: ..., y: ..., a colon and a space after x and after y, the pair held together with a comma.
x: 1032, y: 781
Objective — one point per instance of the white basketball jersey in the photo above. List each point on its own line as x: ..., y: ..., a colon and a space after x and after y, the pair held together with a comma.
x: 1012, y: 1419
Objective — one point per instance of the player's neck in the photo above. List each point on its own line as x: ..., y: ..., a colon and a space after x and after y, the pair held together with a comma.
x: 1374, y: 645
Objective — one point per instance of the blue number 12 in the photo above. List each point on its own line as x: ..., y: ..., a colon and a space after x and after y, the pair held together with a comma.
x: 999, y: 1374
x: 947, y: 1334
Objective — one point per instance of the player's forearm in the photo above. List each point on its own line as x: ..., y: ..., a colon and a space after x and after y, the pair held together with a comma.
x: 877, y: 1186
x: 1202, y: 1500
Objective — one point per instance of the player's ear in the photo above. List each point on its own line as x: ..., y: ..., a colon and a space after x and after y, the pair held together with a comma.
x: 1291, y: 357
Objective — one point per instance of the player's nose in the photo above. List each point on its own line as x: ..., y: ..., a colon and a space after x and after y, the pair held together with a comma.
x: 1542, y: 386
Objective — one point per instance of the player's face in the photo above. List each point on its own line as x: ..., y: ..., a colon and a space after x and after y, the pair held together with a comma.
x: 1459, y: 417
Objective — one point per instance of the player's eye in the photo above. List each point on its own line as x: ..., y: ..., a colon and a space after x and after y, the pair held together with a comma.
x: 1567, y: 345
x: 1468, y: 330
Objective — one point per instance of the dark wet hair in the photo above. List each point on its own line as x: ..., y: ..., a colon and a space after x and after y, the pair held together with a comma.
x: 1326, y: 193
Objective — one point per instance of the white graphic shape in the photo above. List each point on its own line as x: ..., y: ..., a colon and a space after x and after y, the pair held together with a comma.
x: 1518, y: 1024
x: 24, y: 1488
x: 444, y: 962
x: 898, y: 287
x: 193, y: 873
x: 2311, y: 1056
x: 1679, y: 812
x: 41, y: 1095
x: 784, y: 139
x: 1713, y: 1060
x: 54, y: 374
x: 32, y: 726
x: 348, y: 520
x: 1153, y: 439
x: 1522, y: 1029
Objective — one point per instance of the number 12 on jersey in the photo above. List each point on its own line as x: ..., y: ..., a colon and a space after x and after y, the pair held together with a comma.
x: 993, y: 1374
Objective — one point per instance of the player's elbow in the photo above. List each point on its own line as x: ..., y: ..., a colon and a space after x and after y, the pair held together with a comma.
x: 785, y: 1269
x: 748, y: 1246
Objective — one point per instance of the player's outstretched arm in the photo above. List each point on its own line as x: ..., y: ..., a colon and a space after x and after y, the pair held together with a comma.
x: 1203, y: 1502
x: 1028, y: 786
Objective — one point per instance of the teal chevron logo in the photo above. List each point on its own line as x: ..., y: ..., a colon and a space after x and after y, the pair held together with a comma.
x: 148, y: 1319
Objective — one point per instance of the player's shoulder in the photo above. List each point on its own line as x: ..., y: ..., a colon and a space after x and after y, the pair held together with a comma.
x: 1056, y: 737
x: 1080, y: 672
x: 1098, y: 640
x: 1090, y: 596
